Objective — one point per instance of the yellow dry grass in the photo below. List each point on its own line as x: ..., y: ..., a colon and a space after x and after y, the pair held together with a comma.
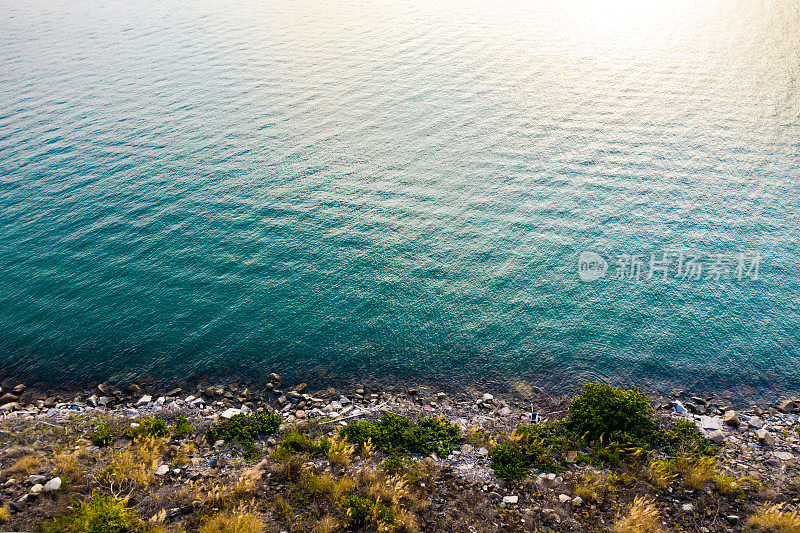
x: 643, y: 517
x: 774, y: 519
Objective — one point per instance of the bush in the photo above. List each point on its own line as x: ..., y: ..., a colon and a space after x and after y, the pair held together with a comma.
x: 148, y: 427
x: 182, y: 429
x: 293, y: 442
x: 509, y: 461
x: 399, y: 434
x: 361, y: 511
x: 244, y: 429
x: 103, y: 435
x: 604, y: 413
x: 100, y: 514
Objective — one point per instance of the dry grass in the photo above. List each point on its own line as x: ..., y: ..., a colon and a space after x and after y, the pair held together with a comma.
x: 774, y: 519
x: 700, y: 473
x: 367, y: 449
x: 135, y: 465
x: 596, y: 486
x: 5, y: 514
x: 236, y: 522
x: 228, y: 495
x: 27, y: 464
x: 643, y: 517
x: 340, y: 452
x: 183, y: 457
x: 328, y: 524
x: 68, y: 466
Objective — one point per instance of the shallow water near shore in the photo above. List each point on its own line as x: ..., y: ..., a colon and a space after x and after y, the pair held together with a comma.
x: 402, y: 189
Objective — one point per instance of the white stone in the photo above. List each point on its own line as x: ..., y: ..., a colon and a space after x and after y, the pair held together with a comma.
x: 563, y: 498
x: 36, y: 489
x: 230, y: 412
x: 510, y: 499
x: 688, y: 507
x: 577, y: 500
x: 783, y: 456
x: 53, y: 485
x: 488, y: 398
x: 483, y: 452
x: 162, y: 470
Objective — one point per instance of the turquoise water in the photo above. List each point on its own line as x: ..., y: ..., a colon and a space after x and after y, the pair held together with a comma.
x: 387, y: 188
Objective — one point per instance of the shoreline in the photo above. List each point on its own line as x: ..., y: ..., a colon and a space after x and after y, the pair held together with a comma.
x: 757, y: 443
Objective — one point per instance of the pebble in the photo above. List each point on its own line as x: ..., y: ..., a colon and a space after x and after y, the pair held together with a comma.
x: 564, y: 498
x: 510, y: 499
x: 162, y: 470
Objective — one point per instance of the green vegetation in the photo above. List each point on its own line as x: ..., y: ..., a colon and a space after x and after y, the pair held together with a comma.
x: 400, y: 434
x: 182, y: 429
x: 148, y: 427
x: 362, y: 511
x: 103, y: 435
x: 293, y: 442
x: 604, y: 413
x: 244, y: 429
x: 99, y: 514
x: 605, y: 426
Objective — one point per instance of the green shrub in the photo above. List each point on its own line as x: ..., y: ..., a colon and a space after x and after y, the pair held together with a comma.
x: 683, y: 437
x: 399, y: 434
x: 604, y: 413
x: 103, y: 435
x: 99, y: 514
x: 244, y: 429
x: 509, y: 461
x: 182, y: 428
x: 361, y: 511
x: 293, y: 442
x: 148, y: 427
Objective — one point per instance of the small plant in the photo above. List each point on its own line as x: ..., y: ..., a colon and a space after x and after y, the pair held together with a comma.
x: 5, y: 514
x: 643, y: 517
x: 103, y: 435
x: 148, y: 427
x: 99, y: 514
x: 774, y: 519
x: 362, y: 511
x: 26, y: 464
x: 244, y: 429
x: 339, y: 452
x: 509, y: 461
x: 294, y: 442
x: 232, y: 523
x: 182, y: 429
x: 395, y: 433
x: 604, y: 413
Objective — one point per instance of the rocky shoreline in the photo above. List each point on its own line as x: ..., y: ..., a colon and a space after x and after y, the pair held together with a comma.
x: 47, y: 458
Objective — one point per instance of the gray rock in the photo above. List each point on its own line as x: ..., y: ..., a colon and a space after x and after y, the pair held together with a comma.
x: 275, y: 378
x: 765, y: 437
x: 103, y: 401
x: 487, y: 398
x: 564, y: 498
x: 786, y: 406
x: 755, y: 422
x: 731, y: 419
x: 144, y: 400
x: 91, y: 401
x: 53, y: 485
x: 483, y: 452
x: 783, y: 456
x: 36, y: 489
x: 716, y: 436
x: 162, y: 470
x: 577, y: 500
x: 688, y: 507
x: 510, y: 499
